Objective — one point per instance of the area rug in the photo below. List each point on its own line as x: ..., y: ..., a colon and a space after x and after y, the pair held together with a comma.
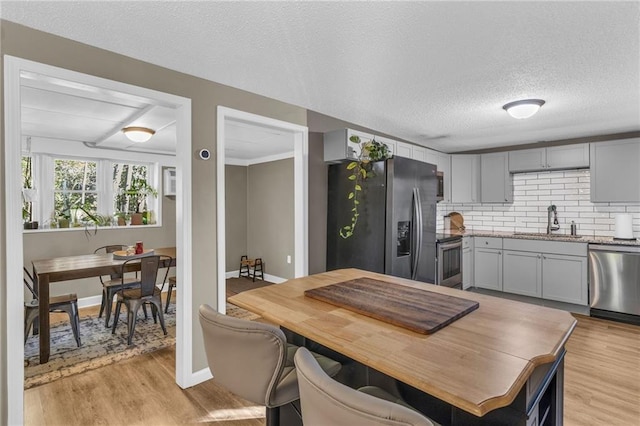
x: 99, y: 346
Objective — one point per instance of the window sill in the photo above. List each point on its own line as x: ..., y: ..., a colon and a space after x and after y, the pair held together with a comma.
x: 91, y: 229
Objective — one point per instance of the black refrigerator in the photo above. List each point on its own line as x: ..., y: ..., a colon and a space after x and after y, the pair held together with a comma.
x: 396, y: 229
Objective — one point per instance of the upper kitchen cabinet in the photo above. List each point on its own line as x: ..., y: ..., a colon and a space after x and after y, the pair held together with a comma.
x: 390, y: 143
x: 404, y: 149
x: 465, y: 175
x: 495, y: 180
x: 615, y: 175
x: 419, y: 153
x: 553, y: 158
x: 338, y: 146
x: 443, y: 163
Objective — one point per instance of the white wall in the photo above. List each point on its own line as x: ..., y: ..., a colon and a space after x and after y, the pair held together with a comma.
x: 533, y: 192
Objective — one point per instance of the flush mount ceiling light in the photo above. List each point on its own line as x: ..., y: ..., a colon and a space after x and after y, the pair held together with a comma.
x: 524, y: 108
x: 138, y: 134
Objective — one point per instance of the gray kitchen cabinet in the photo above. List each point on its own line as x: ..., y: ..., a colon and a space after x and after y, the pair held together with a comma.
x: 467, y: 262
x: 615, y: 175
x: 465, y: 175
x: 553, y: 270
x: 564, y: 278
x: 338, y: 147
x: 574, y: 156
x: 522, y: 273
x: 495, y: 180
x: 487, y: 263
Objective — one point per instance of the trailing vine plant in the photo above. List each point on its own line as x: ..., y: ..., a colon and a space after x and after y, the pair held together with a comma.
x: 361, y: 169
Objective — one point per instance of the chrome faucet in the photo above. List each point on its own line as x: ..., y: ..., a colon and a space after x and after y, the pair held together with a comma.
x: 556, y: 225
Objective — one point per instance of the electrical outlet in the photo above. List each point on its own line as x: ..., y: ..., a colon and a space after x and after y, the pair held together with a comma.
x: 289, y: 259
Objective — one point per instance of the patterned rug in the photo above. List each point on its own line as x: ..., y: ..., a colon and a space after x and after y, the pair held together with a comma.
x: 99, y: 346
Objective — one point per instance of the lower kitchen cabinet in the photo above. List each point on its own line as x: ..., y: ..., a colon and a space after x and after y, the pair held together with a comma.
x: 522, y: 273
x: 488, y: 268
x: 467, y: 262
x: 564, y: 278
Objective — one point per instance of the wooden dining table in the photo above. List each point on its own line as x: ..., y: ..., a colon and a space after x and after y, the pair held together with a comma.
x: 57, y: 269
x: 501, y: 355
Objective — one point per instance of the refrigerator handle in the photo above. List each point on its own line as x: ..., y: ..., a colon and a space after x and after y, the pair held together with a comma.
x: 417, y: 229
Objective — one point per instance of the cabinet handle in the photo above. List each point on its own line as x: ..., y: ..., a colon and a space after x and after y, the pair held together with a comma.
x: 499, y: 252
x: 486, y: 242
x: 544, y: 257
x: 539, y: 256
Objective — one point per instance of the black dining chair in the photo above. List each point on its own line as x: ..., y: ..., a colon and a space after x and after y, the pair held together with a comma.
x: 111, y: 283
x: 64, y: 303
x: 148, y: 293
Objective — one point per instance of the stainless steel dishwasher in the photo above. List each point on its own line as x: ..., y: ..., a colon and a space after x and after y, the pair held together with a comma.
x: 614, y: 282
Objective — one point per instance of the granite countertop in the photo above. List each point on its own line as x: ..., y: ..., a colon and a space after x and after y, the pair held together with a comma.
x: 537, y: 236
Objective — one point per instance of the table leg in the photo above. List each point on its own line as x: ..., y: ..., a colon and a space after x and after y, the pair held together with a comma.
x: 43, y: 317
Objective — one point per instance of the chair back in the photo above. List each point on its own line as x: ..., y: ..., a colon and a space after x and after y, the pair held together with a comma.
x: 149, y: 267
x: 29, y: 282
x: 246, y: 357
x: 110, y: 249
x: 325, y: 401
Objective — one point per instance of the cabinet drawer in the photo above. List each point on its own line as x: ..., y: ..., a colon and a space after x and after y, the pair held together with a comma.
x: 488, y: 242
x: 544, y: 246
x: 467, y: 242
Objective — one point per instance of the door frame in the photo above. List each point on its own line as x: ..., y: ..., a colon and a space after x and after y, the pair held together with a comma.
x: 301, y: 179
x: 14, y: 303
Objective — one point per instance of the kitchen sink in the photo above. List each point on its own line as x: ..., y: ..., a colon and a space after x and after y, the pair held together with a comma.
x: 543, y: 235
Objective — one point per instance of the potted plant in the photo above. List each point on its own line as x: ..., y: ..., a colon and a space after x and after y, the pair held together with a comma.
x: 138, y: 192
x: 361, y: 169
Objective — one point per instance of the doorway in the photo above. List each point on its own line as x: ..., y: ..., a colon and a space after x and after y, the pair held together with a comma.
x: 14, y: 70
x: 298, y: 136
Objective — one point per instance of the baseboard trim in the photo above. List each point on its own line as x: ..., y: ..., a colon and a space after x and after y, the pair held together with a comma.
x: 198, y: 377
x: 271, y: 278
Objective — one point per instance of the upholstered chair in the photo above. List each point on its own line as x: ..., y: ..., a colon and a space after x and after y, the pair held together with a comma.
x: 254, y: 361
x: 324, y: 401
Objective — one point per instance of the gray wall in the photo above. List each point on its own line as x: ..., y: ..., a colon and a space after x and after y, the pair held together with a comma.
x: 205, y: 95
x: 270, y: 215
x: 317, y: 205
x: 235, y: 215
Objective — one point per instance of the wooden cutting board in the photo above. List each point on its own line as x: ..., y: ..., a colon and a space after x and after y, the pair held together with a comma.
x: 457, y: 222
x: 416, y: 309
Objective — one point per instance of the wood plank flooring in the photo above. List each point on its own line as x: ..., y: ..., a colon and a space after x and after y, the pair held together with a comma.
x: 602, y: 387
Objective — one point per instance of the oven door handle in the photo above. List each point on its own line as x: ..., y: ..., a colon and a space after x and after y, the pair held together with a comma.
x: 417, y: 229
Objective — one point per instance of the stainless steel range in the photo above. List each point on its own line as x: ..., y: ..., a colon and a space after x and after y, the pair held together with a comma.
x: 449, y: 261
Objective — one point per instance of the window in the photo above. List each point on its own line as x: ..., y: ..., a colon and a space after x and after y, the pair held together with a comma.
x: 79, y: 191
x: 75, y: 191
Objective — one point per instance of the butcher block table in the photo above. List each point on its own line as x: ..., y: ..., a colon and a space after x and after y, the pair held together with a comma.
x: 500, y: 354
x: 57, y: 269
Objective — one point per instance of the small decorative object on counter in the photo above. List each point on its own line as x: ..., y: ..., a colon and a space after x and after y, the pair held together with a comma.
x: 574, y: 228
x: 139, y: 247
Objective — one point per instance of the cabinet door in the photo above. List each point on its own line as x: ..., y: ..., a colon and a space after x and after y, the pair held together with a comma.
x: 488, y: 269
x: 404, y: 150
x: 527, y: 160
x: 444, y: 166
x: 564, y: 278
x: 419, y: 153
x: 568, y: 156
x: 467, y: 268
x: 391, y: 144
x: 615, y: 175
x: 495, y: 180
x: 353, y: 149
x: 522, y: 273
x: 465, y: 174
x: 431, y: 157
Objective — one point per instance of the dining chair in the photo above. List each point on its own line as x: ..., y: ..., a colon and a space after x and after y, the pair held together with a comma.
x: 172, y: 284
x: 254, y: 361
x: 148, y: 293
x: 325, y: 401
x: 64, y: 303
x: 111, y: 283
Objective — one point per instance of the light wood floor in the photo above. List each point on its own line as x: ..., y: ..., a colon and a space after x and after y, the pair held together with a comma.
x: 602, y: 387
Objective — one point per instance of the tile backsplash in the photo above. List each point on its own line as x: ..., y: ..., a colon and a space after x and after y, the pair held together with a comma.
x: 533, y: 192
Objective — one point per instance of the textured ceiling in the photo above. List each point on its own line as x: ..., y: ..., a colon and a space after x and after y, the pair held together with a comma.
x: 435, y: 73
